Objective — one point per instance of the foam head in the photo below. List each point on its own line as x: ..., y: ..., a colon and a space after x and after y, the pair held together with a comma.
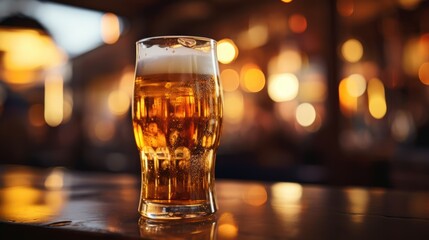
x: 157, y: 60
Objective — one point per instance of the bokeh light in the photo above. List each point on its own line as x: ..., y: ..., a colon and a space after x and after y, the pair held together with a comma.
x: 30, y: 204
x: 289, y: 60
x: 352, y: 50
x: 29, y: 50
x: 126, y: 83
x: 413, y: 55
x: 312, y: 88
x: 348, y: 103
x: 376, y: 99
x: 345, y: 7
x: 119, y: 102
x: 252, y: 78
x: 286, y: 192
x: 230, y: 80
x: 255, y: 195
x: 424, y: 73
x: 283, y: 87
x: 377, y: 106
x: 54, y: 100
x: 356, y: 85
x: 305, y: 114
x: 297, y: 23
x: 358, y: 203
x: 227, y: 51
x: 228, y: 228
x: 233, y: 107
x: 55, y: 179
x: 110, y: 28
x: 256, y: 36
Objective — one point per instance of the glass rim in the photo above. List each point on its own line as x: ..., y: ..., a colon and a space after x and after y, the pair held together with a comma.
x: 199, y: 38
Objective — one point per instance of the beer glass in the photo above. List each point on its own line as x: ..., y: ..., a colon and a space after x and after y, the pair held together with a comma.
x: 177, y: 118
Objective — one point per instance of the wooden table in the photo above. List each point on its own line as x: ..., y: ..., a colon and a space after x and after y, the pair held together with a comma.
x: 61, y: 204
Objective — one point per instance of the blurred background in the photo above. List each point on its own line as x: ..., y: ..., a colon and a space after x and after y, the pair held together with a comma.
x: 326, y: 92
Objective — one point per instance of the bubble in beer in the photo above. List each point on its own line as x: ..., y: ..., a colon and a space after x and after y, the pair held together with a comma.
x: 150, y: 140
x: 165, y: 165
x: 173, y: 137
x: 183, y: 165
x: 182, y: 153
x: 153, y: 128
x: 163, y: 153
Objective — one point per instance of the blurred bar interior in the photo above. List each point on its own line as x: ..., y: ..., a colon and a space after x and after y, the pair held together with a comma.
x: 326, y: 92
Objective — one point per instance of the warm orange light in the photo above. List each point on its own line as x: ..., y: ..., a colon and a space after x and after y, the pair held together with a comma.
x: 234, y: 107
x: 110, y: 28
x: 348, y: 102
x: 286, y: 1
x: 424, y: 45
x: 409, y: 4
x: 256, y: 36
x: 288, y: 60
x: 356, y: 85
x: 424, y: 73
x: 297, y: 23
x: 286, y: 192
x: 28, y: 50
x: 352, y: 50
x: 20, y: 77
x: 358, y: 202
x: 313, y: 89
x: 345, y: 7
x: 26, y: 53
x: 414, y: 55
x: 126, y: 83
x: 227, y: 51
x: 55, y: 179
x: 228, y: 228
x: 252, y: 78
x: 286, y: 203
x: 29, y: 204
x: 119, y: 102
x: 376, y: 99
x: 54, y: 100
x: 255, y: 195
x: 377, y: 107
x: 230, y: 80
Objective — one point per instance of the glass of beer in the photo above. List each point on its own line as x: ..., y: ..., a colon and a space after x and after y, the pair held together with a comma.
x: 177, y: 119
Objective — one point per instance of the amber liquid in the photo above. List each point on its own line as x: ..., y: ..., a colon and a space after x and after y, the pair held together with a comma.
x: 177, y: 122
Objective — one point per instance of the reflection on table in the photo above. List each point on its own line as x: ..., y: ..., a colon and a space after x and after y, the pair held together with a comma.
x: 57, y: 203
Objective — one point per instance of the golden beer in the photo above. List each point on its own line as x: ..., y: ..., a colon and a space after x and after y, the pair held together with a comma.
x: 177, y: 118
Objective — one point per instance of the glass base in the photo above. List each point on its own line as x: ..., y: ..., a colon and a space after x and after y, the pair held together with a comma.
x: 160, y: 211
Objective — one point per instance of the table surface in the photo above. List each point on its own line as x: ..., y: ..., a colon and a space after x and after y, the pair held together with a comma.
x: 60, y: 204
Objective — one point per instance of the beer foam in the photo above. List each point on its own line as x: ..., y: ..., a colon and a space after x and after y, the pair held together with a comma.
x: 173, y: 61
